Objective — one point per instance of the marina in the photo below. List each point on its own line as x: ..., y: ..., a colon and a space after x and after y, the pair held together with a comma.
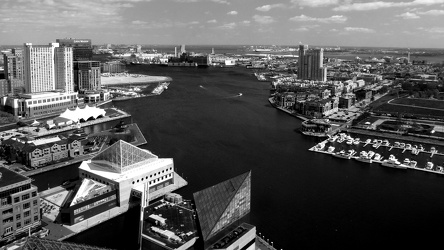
x: 426, y: 158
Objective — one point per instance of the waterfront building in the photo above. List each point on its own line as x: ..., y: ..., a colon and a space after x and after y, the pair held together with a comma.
x: 82, y: 48
x: 317, y: 108
x: 20, y: 205
x: 112, y: 67
x: 94, y: 96
x: 4, y: 87
x: 38, y: 104
x: 221, y: 211
x: 47, y: 67
x: 111, y: 177
x: 316, y: 127
x: 310, y: 64
x: 87, y: 75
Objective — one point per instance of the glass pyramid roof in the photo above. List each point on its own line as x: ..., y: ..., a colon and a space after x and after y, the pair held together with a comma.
x: 223, y: 204
x: 122, y: 156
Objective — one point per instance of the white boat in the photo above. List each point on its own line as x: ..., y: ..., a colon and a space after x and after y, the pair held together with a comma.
x: 344, y: 155
x: 370, y: 154
x: 429, y: 165
x: 363, y: 157
x: 414, y: 151
x: 319, y: 146
x: 330, y: 149
x: 406, y: 161
x: 413, y: 164
x: 340, y: 140
x: 368, y: 141
x: 356, y: 141
x: 396, y: 144
x: 333, y: 139
x: 421, y: 148
x: 376, y: 145
x: 385, y: 143
x: 408, y: 146
x: 375, y: 140
x: 440, y: 169
x: 350, y: 142
x: 402, y: 145
x: 377, y: 157
x: 392, y: 162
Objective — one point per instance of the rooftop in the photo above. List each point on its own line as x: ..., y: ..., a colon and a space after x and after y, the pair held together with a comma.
x: 33, y: 243
x: 9, y: 177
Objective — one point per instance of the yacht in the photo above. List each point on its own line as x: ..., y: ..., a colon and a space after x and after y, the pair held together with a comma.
x: 340, y: 140
x: 356, y: 141
x: 413, y: 164
x: 349, y: 141
x: 331, y: 149
x: 333, y: 139
x: 363, y: 157
x: 377, y: 157
x: 440, y: 169
x: 421, y: 148
x: 408, y: 146
x: 392, y: 162
x: 319, y: 146
x: 406, y: 161
x: 433, y: 150
x: 429, y: 165
x: 402, y: 145
x: 370, y: 154
x: 368, y: 141
x: 343, y: 154
x: 385, y: 143
x: 396, y: 145
x: 414, y: 151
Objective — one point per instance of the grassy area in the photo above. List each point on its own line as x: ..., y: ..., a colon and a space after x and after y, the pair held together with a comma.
x: 427, y: 103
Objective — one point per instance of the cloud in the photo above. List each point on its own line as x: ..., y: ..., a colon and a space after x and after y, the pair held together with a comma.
x: 314, y: 3
x: 245, y: 23
x: 381, y: 5
x: 359, y: 29
x: 233, y: 12
x: 305, y: 28
x: 332, y: 19
x: 408, y: 15
x: 432, y: 13
x: 227, y: 26
x: 137, y: 22
x: 434, y: 30
x: 268, y: 7
x: 212, y: 21
x: 221, y: 1
x: 263, y: 19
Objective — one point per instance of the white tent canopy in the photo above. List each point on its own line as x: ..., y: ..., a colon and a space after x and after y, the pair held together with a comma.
x: 86, y: 113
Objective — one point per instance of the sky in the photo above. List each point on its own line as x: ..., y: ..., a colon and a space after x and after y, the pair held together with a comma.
x: 377, y: 23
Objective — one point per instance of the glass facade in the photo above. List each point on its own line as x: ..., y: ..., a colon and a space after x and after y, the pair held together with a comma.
x: 223, y: 204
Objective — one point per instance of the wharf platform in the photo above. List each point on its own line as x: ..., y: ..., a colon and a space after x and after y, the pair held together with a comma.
x: 321, y: 147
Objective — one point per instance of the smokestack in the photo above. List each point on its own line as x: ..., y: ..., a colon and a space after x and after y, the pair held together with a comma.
x: 175, y: 51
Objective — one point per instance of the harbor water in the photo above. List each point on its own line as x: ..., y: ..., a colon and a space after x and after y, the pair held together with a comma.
x: 300, y: 199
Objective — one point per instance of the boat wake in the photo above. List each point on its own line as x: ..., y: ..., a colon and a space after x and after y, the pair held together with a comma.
x: 202, y: 87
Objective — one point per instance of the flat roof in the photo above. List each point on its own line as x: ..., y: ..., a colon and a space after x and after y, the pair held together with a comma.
x: 10, y: 177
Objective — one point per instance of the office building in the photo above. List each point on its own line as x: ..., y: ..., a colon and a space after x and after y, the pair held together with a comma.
x: 82, y: 48
x: 112, y: 67
x: 20, y: 205
x: 47, y: 67
x: 310, y: 64
x: 221, y: 210
x: 14, y: 71
x: 87, y: 75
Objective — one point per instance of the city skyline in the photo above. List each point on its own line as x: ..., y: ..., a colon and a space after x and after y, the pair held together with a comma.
x: 409, y: 23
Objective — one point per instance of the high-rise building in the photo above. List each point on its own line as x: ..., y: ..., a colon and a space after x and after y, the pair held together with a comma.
x: 87, y: 75
x: 20, y: 205
x: 310, y: 64
x: 64, y: 69
x: 182, y: 49
x: 14, y: 71
x: 82, y: 48
x: 47, y: 68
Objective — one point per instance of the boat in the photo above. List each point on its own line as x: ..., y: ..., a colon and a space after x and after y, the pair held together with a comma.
x: 421, y: 148
x: 356, y: 141
x: 414, y: 151
x: 349, y: 142
x: 319, y: 146
x: 376, y: 145
x: 402, y: 145
x: 363, y: 157
x: 385, y: 143
x: 392, y: 162
x: 343, y: 154
x: 429, y: 165
x: 406, y: 161
x: 340, y: 140
x: 440, y: 169
x: 240, y: 94
x: 413, y: 164
x: 396, y: 144
x: 368, y: 141
x: 377, y: 157
x: 330, y: 149
x: 370, y: 154
x: 333, y: 139
x: 408, y: 146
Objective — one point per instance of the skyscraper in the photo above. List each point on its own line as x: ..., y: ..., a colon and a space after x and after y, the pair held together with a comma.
x: 47, y: 68
x: 14, y: 70
x: 310, y: 64
x: 87, y: 75
x: 82, y: 48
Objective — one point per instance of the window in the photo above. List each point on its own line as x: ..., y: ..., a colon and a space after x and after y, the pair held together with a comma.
x: 34, y: 193
x: 19, y: 225
x: 26, y: 205
x: 26, y: 214
x: 18, y: 217
x: 34, y: 202
x: 8, y: 230
x: 16, y: 199
x: 25, y: 196
x: 36, y: 218
x: 27, y: 222
x: 36, y: 210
